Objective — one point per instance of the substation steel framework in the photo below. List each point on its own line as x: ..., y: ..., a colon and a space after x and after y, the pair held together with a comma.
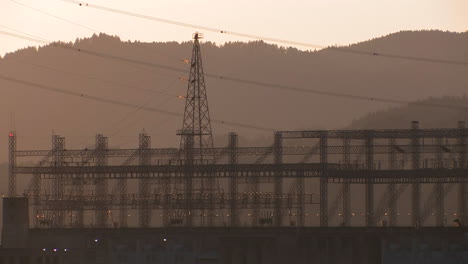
x: 198, y: 184
x: 437, y: 156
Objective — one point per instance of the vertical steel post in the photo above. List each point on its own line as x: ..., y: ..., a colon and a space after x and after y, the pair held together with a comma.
x: 392, y: 200
x: 278, y: 182
x: 58, y: 145
x: 189, y: 160
x: 369, y: 141
x: 12, y: 164
x: 416, y: 187
x: 439, y: 188
x: 233, y: 184
x: 347, y: 186
x: 101, y: 181
x: 461, y: 163
x: 144, y: 183
x: 324, y: 179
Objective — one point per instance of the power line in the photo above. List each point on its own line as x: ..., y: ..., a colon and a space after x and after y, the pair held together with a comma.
x: 194, y: 26
x: 251, y: 82
x: 257, y: 37
x: 41, y: 66
x: 24, y: 33
x: 396, y: 56
x: 57, y: 17
x: 124, y: 104
x: 23, y: 37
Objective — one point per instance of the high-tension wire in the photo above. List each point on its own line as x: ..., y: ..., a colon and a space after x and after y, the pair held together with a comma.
x: 124, y: 104
x: 258, y: 37
x: 253, y: 82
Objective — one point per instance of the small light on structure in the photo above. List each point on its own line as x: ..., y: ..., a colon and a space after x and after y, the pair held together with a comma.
x: 44, y: 249
x: 96, y: 240
x: 11, y: 134
x: 65, y: 249
x: 165, y: 240
x: 55, y: 250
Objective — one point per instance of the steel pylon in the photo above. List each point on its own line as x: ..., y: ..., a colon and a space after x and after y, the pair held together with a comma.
x: 196, y: 122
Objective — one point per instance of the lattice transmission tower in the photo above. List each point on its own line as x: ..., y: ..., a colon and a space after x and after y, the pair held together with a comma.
x: 196, y: 126
x: 196, y: 135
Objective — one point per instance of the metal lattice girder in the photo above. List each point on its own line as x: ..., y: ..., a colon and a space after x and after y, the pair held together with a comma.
x: 369, y: 142
x: 439, y: 189
x: 392, y: 197
x: 377, y: 133
x: 249, y: 151
x: 177, y: 200
x: 12, y: 164
x: 278, y: 184
x: 58, y: 145
x: 188, y: 172
x: 144, y: 183
x: 324, y: 166
x: 233, y: 184
x: 346, y: 186
x: 461, y: 163
x: 263, y: 171
x: 101, y: 213
x: 415, y: 164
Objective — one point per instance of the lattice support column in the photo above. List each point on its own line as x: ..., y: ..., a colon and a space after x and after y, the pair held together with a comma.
x: 58, y: 145
x: 145, y: 182
x: 461, y: 163
x: 278, y: 181
x: 196, y: 127
x: 415, y: 164
x: 188, y: 177
x: 166, y: 186
x: 369, y: 142
x: 123, y: 211
x: 324, y: 179
x: 392, y: 197
x: 101, y: 183
x: 36, y: 188
x: 301, y: 199
x: 80, y: 221
x: 233, y: 184
x: 346, y: 186
x: 439, y: 187
x: 12, y: 164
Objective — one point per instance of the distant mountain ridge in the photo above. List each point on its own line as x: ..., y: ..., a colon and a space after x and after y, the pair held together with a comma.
x: 428, y: 117
x: 35, y: 113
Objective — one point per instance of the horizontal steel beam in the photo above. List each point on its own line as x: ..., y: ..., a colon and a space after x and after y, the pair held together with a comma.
x: 249, y: 151
x: 173, y: 201
x: 378, y: 133
x: 333, y: 172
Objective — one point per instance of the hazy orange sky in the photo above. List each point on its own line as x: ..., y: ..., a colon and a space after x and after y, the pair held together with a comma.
x: 324, y: 22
